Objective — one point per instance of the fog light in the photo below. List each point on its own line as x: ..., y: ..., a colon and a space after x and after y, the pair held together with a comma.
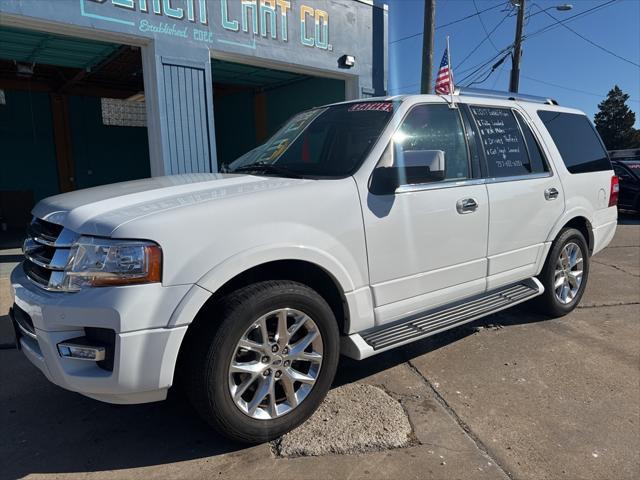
x: 79, y: 349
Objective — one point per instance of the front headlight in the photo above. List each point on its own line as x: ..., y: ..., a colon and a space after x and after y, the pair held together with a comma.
x: 100, y: 262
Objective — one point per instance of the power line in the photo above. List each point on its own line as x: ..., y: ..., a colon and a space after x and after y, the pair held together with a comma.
x: 472, y: 15
x: 493, y: 86
x: 571, y: 18
x: 485, y: 63
x: 591, y: 41
x: 479, y: 66
x: 448, y: 24
x: 576, y: 90
x: 487, y: 37
x: 484, y: 27
x: 489, y: 73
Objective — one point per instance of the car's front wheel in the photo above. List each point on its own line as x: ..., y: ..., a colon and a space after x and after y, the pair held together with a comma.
x: 265, y: 368
x: 565, y: 273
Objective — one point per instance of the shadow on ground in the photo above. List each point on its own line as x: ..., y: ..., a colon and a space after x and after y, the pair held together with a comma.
x: 50, y: 430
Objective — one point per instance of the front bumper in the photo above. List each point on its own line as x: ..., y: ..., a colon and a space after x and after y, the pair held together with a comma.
x: 145, y: 350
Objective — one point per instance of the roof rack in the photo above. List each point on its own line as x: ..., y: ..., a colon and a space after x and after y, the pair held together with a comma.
x: 481, y: 92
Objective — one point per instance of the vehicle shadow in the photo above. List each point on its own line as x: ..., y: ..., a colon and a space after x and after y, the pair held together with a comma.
x: 351, y: 371
x: 49, y: 430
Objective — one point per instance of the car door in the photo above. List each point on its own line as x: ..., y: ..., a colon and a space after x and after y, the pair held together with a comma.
x: 525, y: 196
x: 427, y: 242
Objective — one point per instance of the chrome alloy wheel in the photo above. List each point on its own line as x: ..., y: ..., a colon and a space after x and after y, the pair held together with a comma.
x: 275, y: 364
x: 568, y: 273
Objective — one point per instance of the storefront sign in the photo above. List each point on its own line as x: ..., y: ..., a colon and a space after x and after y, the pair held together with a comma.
x: 268, y: 19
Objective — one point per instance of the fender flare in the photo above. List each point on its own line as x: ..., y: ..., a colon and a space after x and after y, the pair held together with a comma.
x: 567, y: 217
x: 233, y: 266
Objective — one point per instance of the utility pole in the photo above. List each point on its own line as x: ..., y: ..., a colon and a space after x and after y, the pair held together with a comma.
x: 517, y: 48
x: 427, y: 46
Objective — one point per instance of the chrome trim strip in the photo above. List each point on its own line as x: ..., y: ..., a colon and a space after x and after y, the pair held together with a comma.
x: 29, y: 245
x: 26, y: 332
x: 517, y: 178
x: 418, y: 187
x: 66, y: 239
x: 24, y: 329
x: 56, y: 287
x: 33, y: 259
x: 55, y: 281
x: 57, y: 262
x: 43, y: 240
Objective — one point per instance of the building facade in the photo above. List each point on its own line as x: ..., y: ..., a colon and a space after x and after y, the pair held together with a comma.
x: 216, y: 77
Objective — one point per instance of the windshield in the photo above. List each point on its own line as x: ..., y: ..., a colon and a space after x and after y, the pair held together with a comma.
x: 324, y: 142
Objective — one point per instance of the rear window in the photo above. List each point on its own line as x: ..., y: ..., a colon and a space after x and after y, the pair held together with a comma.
x: 509, y: 146
x: 577, y: 141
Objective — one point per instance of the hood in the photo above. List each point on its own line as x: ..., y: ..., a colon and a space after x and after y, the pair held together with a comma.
x: 100, y: 210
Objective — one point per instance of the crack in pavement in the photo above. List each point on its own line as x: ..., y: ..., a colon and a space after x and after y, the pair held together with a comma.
x: 480, y: 445
x: 617, y: 268
x: 609, y: 304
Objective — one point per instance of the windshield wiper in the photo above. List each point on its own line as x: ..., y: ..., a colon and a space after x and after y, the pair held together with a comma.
x: 267, y: 168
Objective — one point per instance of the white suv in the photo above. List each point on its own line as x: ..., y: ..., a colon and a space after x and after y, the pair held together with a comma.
x: 357, y: 228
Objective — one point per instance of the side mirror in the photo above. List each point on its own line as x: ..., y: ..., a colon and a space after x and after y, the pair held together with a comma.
x: 410, y: 168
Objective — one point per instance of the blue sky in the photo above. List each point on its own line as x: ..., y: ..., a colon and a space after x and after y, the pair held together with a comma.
x: 557, y: 56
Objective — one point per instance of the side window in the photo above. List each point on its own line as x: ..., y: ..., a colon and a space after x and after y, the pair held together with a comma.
x: 432, y: 135
x: 577, y: 141
x: 536, y: 157
x: 502, y: 141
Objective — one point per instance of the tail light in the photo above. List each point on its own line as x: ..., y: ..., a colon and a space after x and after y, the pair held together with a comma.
x: 613, y: 194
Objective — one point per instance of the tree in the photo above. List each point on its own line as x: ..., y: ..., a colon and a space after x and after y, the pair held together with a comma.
x: 614, y: 121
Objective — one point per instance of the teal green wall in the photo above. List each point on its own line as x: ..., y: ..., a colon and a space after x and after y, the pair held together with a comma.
x: 284, y: 102
x: 27, y: 151
x: 103, y: 153
x: 235, y: 113
x: 235, y: 126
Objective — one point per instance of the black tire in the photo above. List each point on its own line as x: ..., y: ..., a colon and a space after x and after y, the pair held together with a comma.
x: 548, y: 303
x: 213, y: 344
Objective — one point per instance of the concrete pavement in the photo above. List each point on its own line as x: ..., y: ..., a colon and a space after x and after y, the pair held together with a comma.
x: 513, y: 396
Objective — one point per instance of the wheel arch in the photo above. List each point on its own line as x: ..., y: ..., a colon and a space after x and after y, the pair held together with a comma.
x: 578, y: 220
x: 310, y: 267
x: 302, y: 271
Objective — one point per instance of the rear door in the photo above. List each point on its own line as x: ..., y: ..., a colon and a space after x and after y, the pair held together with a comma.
x: 525, y: 195
x: 582, y: 161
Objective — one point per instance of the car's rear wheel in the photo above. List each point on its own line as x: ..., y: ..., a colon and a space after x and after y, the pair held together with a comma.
x: 269, y: 363
x: 565, y: 273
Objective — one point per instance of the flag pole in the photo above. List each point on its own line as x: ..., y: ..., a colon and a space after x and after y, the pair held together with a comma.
x: 451, y: 86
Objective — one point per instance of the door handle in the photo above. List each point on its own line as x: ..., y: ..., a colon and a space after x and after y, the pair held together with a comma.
x: 466, y: 205
x: 551, y: 193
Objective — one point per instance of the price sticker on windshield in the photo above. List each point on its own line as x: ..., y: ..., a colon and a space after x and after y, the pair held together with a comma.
x: 371, y: 107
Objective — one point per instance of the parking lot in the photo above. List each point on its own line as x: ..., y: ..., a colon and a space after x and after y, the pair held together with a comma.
x: 514, y: 395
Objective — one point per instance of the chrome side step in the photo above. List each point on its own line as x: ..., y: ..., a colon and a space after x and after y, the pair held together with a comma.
x: 385, y: 337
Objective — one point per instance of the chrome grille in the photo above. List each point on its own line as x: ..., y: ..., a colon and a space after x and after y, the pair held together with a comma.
x: 23, y: 321
x: 46, y: 251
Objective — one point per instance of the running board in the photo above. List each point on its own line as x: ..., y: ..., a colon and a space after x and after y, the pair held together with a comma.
x: 385, y: 337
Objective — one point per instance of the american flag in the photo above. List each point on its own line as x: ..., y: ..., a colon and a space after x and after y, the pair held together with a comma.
x: 444, y: 81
